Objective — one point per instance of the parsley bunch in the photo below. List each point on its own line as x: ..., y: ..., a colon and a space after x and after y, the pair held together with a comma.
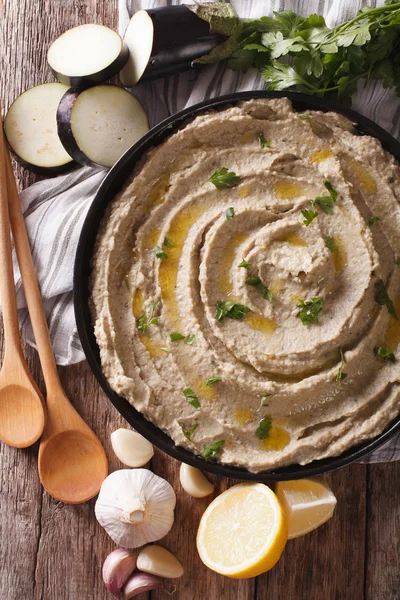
x: 324, y: 61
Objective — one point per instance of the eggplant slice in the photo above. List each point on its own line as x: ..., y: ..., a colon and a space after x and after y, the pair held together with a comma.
x: 30, y: 127
x: 139, y: 40
x: 97, y: 125
x: 87, y: 55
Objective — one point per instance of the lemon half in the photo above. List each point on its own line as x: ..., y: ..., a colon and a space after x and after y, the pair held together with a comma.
x: 243, y: 531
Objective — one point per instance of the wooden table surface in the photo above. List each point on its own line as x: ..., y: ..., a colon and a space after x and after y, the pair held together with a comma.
x: 50, y: 551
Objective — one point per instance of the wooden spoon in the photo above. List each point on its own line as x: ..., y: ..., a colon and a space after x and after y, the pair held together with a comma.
x: 72, y: 461
x: 22, y: 411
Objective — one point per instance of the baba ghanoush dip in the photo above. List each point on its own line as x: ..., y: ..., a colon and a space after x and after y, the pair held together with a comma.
x: 245, y: 286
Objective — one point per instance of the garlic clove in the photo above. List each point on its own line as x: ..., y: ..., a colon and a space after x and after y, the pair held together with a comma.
x: 135, y: 507
x: 117, y: 568
x: 132, y: 449
x: 159, y: 561
x: 139, y: 583
x: 194, y: 482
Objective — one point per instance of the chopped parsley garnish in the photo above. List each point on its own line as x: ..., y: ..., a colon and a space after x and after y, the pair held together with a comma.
x: 310, y: 310
x: 340, y: 375
x: 384, y: 354
x: 245, y: 264
x: 168, y: 242
x: 397, y: 262
x: 382, y: 298
x: 260, y: 287
x: 213, y: 380
x: 227, y: 308
x: 330, y: 244
x: 263, y: 399
x: 211, y: 450
x: 127, y: 284
x: 188, y: 434
x: 159, y: 252
x: 144, y: 321
x: 191, y: 398
x: 177, y: 337
x: 263, y: 142
x: 309, y: 216
x: 264, y: 428
x: 189, y: 339
x: 373, y: 220
x: 224, y: 179
x: 303, y: 116
x: 230, y: 213
x: 332, y: 192
x: 325, y: 203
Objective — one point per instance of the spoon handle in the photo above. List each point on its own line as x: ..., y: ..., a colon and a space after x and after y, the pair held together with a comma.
x: 7, y: 285
x: 31, y: 286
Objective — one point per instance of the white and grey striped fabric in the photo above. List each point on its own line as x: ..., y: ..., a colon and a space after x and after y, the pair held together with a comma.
x: 55, y: 209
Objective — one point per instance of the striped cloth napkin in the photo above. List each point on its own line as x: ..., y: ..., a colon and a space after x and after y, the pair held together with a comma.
x: 55, y: 209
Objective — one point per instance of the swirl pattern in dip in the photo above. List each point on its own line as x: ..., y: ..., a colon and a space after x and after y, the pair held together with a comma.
x: 299, y: 241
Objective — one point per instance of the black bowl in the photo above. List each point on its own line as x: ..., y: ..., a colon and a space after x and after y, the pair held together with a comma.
x: 111, y: 185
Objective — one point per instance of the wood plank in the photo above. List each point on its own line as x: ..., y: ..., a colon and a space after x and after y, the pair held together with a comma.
x: 329, y: 562
x: 20, y: 508
x: 383, y: 532
x: 198, y: 582
x: 72, y: 545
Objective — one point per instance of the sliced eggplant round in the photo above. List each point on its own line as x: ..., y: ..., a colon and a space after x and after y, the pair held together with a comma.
x: 139, y: 40
x: 87, y: 55
x: 97, y: 125
x: 30, y: 127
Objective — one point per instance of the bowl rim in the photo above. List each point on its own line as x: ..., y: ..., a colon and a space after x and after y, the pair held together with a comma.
x: 112, y: 183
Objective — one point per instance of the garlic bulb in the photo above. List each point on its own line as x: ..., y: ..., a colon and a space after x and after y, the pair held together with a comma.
x: 132, y: 449
x: 135, y: 507
x: 194, y: 482
x: 158, y: 561
x: 117, y: 568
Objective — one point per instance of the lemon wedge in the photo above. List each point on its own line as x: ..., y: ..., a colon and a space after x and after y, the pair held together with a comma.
x: 308, y: 503
x: 243, y: 531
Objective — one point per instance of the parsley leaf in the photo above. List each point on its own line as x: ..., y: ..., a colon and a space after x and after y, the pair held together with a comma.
x: 223, y: 179
x: 264, y: 428
x: 309, y: 216
x: 384, y: 354
x: 397, y: 262
x: 330, y: 244
x: 310, y: 310
x: 191, y: 398
x: 227, y: 308
x: 177, y: 337
x: 332, y: 192
x: 382, y: 298
x: 260, y: 287
x: 245, y: 264
x: 168, y: 242
x: 263, y: 142
x: 211, y: 450
x: 230, y: 213
x: 189, y: 340
x: 263, y: 400
x: 188, y: 434
x: 325, y: 203
x: 373, y: 220
x: 213, y: 380
x: 159, y: 252
x: 144, y: 321
x: 340, y: 375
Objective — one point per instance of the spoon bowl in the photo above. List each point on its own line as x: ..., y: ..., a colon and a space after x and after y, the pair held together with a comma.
x: 72, y: 466
x: 22, y: 413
